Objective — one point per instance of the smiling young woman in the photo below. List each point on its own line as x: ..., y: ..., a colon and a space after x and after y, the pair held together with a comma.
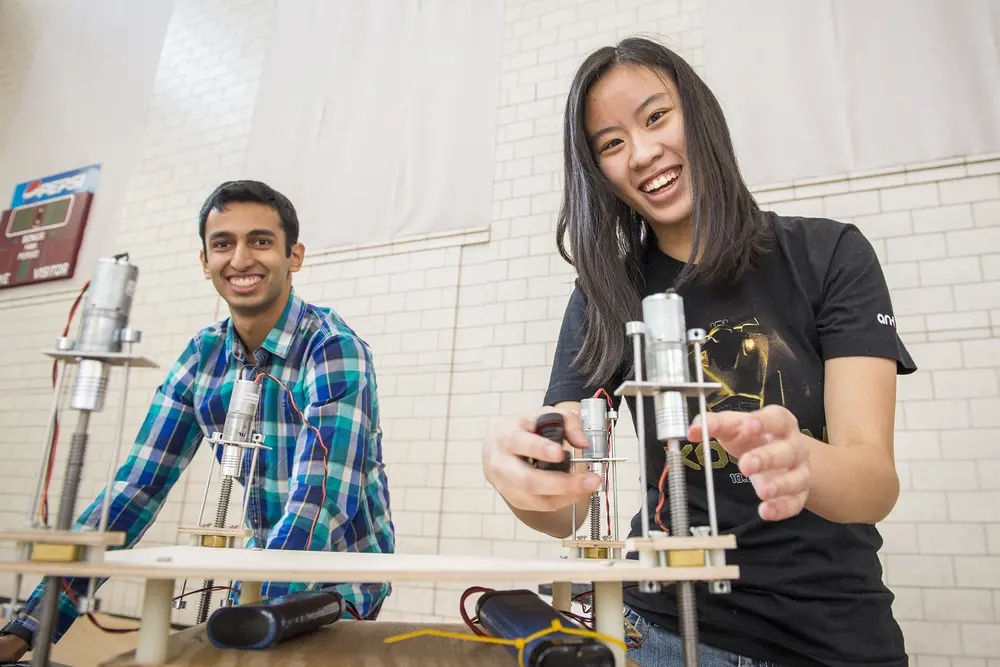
x: 800, y: 337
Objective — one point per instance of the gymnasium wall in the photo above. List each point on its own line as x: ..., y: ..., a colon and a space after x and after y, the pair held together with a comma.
x: 464, y: 323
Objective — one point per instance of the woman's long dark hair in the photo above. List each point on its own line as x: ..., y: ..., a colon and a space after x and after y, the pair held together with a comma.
x: 609, y: 239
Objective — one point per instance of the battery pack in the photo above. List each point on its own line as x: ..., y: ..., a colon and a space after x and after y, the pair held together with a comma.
x: 260, y: 625
x: 518, y: 614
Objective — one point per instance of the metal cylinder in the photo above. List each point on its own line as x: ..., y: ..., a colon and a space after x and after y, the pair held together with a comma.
x: 242, y: 411
x: 107, y: 306
x: 232, y: 460
x: 90, y: 386
x: 105, y: 316
x: 594, y: 416
x: 666, y: 360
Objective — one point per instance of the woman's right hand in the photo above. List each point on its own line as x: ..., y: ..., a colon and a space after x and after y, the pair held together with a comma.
x: 523, y: 486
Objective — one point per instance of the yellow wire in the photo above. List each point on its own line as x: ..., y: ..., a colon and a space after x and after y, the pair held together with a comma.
x: 519, y: 643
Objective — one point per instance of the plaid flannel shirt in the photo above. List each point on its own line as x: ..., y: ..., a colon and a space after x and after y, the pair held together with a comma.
x: 329, y: 370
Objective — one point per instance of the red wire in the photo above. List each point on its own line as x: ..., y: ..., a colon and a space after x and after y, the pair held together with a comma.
x: 470, y: 622
x: 319, y: 438
x: 659, y: 505
x: 606, y: 396
x: 50, y: 464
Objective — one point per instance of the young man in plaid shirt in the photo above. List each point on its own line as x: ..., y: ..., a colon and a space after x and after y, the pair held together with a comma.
x: 250, y: 250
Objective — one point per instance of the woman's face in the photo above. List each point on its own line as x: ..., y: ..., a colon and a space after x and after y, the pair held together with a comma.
x: 635, y: 129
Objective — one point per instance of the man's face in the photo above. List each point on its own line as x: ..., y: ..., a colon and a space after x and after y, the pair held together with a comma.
x: 245, y: 257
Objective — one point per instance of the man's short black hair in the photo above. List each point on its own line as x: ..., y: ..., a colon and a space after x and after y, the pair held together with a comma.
x: 252, y: 192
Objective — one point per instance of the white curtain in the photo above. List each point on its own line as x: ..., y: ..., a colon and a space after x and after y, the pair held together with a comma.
x: 377, y: 118
x: 828, y: 87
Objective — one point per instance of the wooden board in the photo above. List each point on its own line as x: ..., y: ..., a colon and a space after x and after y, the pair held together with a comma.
x: 599, y: 544
x: 182, y: 562
x: 87, y: 538
x: 342, y: 644
x: 667, y: 543
x: 208, y: 530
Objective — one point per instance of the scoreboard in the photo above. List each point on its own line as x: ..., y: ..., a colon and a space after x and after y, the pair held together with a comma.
x: 41, y: 232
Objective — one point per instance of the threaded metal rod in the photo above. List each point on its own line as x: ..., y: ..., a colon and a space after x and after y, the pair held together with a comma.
x: 64, y: 521
x: 595, y: 516
x: 42, y: 641
x: 205, y: 603
x: 680, y: 527
x: 74, y: 471
x: 223, y: 508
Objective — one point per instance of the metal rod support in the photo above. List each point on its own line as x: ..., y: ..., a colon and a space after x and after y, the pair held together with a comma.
x: 640, y: 428
x: 67, y: 510
x: 247, y: 486
x: 42, y: 644
x: 30, y: 518
x: 713, y: 520
x: 208, y: 482
x: 115, y: 450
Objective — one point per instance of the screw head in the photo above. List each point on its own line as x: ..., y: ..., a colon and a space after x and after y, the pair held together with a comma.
x: 649, y: 586
x: 720, y: 587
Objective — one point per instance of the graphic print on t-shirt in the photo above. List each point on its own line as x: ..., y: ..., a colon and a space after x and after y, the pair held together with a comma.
x: 746, y: 360
x: 750, y: 361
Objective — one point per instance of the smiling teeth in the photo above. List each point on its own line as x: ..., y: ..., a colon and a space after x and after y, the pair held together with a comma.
x: 245, y: 282
x: 662, y: 181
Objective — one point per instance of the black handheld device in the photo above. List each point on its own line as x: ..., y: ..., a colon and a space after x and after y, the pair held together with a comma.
x: 551, y: 426
x: 518, y: 614
x: 260, y: 625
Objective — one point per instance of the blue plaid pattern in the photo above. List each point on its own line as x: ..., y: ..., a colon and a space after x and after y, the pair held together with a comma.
x: 329, y: 371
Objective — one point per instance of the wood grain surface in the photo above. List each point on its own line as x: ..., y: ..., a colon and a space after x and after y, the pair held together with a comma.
x: 342, y: 644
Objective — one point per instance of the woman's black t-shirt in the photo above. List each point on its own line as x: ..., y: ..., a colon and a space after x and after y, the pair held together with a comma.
x: 810, y: 591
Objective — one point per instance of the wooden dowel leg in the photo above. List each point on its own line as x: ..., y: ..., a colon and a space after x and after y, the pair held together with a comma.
x: 249, y: 592
x: 608, y: 619
x: 154, y: 629
x: 562, y: 595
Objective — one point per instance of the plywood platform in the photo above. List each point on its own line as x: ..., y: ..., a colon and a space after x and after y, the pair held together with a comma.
x: 161, y: 567
x: 342, y: 644
x: 184, y: 562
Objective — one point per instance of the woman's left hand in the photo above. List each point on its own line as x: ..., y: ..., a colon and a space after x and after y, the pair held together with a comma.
x: 771, y: 451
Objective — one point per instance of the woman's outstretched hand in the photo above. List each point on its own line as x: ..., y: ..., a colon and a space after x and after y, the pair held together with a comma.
x: 771, y: 451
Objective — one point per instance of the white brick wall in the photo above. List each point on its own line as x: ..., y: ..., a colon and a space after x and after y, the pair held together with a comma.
x: 464, y: 326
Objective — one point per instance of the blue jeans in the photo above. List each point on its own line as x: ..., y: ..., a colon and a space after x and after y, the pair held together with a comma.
x: 662, y: 648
